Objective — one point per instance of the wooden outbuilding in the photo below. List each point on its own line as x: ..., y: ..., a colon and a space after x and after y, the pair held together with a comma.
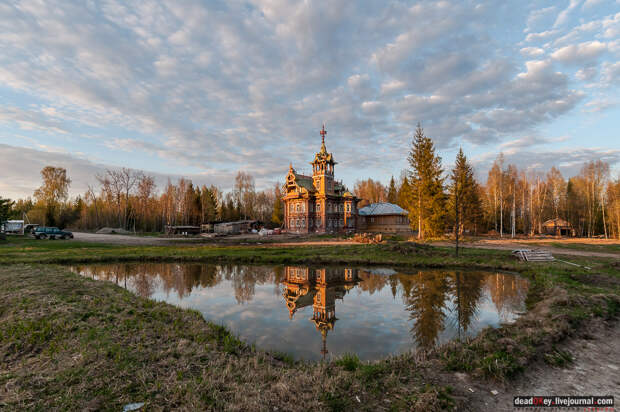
x: 383, y: 218
x: 558, y: 227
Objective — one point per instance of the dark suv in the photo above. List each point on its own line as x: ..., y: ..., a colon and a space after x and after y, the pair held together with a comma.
x: 51, y: 233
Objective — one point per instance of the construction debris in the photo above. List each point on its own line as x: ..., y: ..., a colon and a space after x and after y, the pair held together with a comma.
x: 368, y: 238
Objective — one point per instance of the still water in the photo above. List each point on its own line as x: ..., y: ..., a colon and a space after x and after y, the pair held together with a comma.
x: 317, y: 312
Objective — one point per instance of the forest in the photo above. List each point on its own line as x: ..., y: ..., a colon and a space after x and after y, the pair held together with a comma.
x: 513, y: 201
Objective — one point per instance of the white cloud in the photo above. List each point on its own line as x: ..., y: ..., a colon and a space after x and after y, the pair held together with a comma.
x: 228, y: 85
x: 580, y: 53
x: 564, y: 14
x: 532, y: 52
x: 544, y: 35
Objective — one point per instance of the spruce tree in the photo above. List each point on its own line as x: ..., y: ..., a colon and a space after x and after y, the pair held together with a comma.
x: 392, y: 196
x: 404, y: 194
x: 464, y: 200
x: 5, y: 209
x: 427, y: 199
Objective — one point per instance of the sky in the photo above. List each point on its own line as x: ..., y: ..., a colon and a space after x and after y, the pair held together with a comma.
x: 203, y: 89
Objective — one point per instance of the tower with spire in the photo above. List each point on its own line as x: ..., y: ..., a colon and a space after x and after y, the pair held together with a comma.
x: 320, y: 288
x: 318, y: 203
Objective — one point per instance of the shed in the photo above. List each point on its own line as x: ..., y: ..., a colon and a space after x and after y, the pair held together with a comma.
x: 384, y: 217
x: 227, y: 228
x: 182, y: 230
x: 558, y: 227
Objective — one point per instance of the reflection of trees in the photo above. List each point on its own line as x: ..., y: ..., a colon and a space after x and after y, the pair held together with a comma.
x: 507, y: 293
x: 434, y: 299
x: 371, y: 282
x: 425, y: 298
x: 181, y: 278
x: 467, y: 292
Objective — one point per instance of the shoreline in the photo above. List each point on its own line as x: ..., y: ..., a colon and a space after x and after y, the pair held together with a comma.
x: 57, y: 322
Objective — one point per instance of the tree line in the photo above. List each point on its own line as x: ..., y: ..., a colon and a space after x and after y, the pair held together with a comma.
x: 512, y: 202
x: 130, y: 199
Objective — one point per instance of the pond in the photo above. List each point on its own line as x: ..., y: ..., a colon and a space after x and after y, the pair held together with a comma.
x: 320, y: 312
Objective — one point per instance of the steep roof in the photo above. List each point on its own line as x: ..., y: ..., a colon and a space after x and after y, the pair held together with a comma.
x: 305, y: 181
x: 557, y: 222
x: 382, y: 208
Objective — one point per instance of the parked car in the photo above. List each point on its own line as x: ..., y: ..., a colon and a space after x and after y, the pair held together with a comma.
x: 51, y: 233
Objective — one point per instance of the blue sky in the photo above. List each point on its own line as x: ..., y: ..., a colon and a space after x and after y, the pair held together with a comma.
x: 204, y: 89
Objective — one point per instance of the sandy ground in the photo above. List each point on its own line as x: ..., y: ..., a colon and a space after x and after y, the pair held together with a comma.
x: 594, y: 371
x: 277, y: 240
x: 294, y: 240
x: 126, y: 239
x: 509, y: 244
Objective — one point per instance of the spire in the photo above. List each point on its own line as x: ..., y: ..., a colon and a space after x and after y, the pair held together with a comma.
x: 323, y: 132
x: 324, y: 350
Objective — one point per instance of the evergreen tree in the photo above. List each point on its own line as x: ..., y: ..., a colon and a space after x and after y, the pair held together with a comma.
x: 209, y: 204
x: 427, y: 204
x: 404, y: 194
x: 392, y: 196
x: 5, y: 209
x: 464, y: 200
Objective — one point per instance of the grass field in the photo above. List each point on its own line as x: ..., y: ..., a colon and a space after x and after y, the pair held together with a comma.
x: 68, y: 342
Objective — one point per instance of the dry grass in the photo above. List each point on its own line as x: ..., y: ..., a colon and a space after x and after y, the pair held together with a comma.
x: 70, y: 343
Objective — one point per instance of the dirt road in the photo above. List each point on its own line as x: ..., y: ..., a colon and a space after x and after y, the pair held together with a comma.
x: 128, y: 239
x: 594, y: 371
x: 533, y: 244
x: 293, y: 240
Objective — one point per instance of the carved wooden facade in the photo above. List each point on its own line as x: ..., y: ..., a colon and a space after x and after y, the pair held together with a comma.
x: 318, y: 203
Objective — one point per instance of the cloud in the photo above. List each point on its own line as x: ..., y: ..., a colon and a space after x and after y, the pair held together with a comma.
x: 532, y: 52
x: 538, y: 17
x: 564, y: 14
x: 544, y: 35
x: 213, y: 87
x: 568, y: 161
x: 21, y: 168
x: 580, y: 53
x: 599, y: 105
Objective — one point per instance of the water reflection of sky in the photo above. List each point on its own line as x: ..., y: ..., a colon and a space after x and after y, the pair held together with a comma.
x: 383, y: 311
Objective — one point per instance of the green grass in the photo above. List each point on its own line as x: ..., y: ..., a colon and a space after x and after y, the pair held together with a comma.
x: 558, y: 358
x: 74, y: 343
x: 588, y: 247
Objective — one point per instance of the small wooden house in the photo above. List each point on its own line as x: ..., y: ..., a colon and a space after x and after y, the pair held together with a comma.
x: 383, y: 218
x: 558, y: 227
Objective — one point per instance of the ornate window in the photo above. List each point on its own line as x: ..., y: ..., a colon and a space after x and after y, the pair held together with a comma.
x: 318, y: 207
x: 298, y: 207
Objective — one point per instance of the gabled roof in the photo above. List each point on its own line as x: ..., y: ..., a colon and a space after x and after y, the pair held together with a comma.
x: 305, y: 181
x: 382, y: 208
x: 557, y: 222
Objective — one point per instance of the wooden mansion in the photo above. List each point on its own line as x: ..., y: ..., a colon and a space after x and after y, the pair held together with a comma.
x: 320, y: 204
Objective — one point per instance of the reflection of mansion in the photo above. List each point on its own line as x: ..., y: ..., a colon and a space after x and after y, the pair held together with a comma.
x: 319, y: 203
x: 319, y: 288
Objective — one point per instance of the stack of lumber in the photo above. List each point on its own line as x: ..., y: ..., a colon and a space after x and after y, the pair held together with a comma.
x: 532, y: 255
